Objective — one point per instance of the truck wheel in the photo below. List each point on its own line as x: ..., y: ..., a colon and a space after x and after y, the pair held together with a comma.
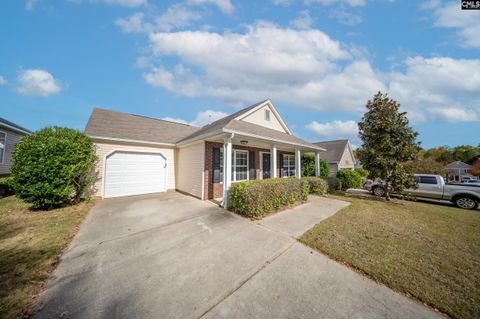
x: 378, y: 191
x: 465, y: 202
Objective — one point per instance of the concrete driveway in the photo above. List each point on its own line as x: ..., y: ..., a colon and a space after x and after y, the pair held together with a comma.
x: 173, y: 256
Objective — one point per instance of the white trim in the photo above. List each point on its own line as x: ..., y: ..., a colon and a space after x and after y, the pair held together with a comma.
x: 273, y: 140
x: 261, y: 163
x: 275, y: 112
x: 203, y: 169
x: 13, y: 128
x: 234, y: 165
x: 130, y: 151
x: 102, y: 138
x: 273, y: 161
x: 200, y: 137
x: 4, y: 148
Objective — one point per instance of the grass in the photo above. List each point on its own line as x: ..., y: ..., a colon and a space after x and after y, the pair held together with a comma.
x: 30, y: 244
x: 429, y: 251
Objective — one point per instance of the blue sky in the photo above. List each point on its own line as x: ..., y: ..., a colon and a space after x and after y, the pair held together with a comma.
x: 319, y: 61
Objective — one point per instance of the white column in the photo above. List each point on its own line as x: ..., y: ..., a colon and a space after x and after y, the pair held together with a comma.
x: 227, y: 168
x: 273, y: 161
x: 317, y: 164
x: 298, y: 164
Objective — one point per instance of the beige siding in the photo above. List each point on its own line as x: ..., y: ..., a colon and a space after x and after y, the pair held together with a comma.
x: 258, y: 117
x: 333, y: 169
x: 103, y: 149
x: 189, y: 171
x: 347, y: 160
x: 12, y: 139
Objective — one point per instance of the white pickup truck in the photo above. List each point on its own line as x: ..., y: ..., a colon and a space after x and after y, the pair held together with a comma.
x: 434, y: 187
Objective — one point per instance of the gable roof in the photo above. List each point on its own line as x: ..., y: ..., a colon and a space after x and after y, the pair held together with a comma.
x: 13, y: 126
x: 334, y: 150
x: 106, y: 124
x: 458, y: 165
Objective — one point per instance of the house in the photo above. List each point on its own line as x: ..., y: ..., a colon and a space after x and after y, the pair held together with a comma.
x: 10, y: 134
x: 139, y: 155
x: 338, y: 155
x: 458, y: 170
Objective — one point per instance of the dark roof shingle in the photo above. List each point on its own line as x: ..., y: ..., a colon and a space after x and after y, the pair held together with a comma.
x: 334, y: 150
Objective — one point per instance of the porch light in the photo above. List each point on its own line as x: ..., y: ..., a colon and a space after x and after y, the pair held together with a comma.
x: 244, y: 142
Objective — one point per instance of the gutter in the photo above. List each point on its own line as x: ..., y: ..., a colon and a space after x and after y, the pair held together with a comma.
x: 16, y: 129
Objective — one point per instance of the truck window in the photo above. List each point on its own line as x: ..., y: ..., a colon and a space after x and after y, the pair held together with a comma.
x: 426, y: 180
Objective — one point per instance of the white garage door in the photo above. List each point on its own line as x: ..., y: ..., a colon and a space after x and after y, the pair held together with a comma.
x: 134, y: 173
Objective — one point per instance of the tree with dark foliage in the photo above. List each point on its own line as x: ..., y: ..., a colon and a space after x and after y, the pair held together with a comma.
x: 388, y: 142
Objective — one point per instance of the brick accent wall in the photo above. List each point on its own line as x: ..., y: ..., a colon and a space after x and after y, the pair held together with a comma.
x: 215, y: 190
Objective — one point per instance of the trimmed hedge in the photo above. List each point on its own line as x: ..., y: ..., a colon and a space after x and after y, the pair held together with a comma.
x: 362, y: 171
x: 334, y: 184
x: 257, y: 198
x: 317, y: 185
x: 349, y: 179
x: 53, y: 167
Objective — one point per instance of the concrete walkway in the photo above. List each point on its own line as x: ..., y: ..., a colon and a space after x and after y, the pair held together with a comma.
x: 172, y: 256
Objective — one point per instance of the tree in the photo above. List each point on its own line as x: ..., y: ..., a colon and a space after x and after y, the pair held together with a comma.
x: 308, y: 166
x: 388, y: 142
x: 53, y: 167
x: 476, y: 168
x: 425, y: 166
x: 349, y: 178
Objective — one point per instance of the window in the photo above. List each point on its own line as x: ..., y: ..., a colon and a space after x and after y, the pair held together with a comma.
x: 288, y: 165
x: 3, y: 143
x: 239, y: 165
x: 267, y: 115
x: 426, y: 180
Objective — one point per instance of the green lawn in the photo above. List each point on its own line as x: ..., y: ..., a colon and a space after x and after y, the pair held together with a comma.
x: 429, y: 251
x: 30, y: 244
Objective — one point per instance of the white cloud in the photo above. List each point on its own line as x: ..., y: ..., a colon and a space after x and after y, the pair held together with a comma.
x: 3, y: 81
x: 455, y: 114
x: 465, y: 22
x: 303, y: 20
x: 352, y: 3
x: 30, y: 4
x: 224, y: 5
x: 335, y: 129
x: 202, y: 118
x: 37, y: 82
x: 176, y: 16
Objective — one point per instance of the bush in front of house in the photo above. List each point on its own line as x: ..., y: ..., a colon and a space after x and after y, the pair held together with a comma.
x: 53, y: 167
x: 361, y: 171
x: 334, y: 184
x: 308, y: 166
x: 349, y: 179
x: 5, y: 187
x: 257, y: 198
x: 316, y: 185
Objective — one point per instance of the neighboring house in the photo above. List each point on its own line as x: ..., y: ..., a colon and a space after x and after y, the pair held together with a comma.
x: 338, y: 155
x: 457, y: 170
x: 139, y: 155
x: 10, y: 134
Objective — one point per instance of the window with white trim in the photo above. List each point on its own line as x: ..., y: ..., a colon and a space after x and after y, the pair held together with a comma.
x: 239, y: 165
x: 288, y: 165
x: 3, y: 143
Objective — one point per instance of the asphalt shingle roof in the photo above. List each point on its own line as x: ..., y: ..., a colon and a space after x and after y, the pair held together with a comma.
x: 458, y: 165
x: 334, y: 150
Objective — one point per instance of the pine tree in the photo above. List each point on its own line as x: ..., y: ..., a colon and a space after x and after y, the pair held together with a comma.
x: 388, y: 142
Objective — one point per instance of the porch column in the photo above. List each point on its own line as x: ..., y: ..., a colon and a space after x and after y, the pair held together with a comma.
x: 317, y: 164
x: 227, y: 168
x: 298, y: 164
x: 273, y: 161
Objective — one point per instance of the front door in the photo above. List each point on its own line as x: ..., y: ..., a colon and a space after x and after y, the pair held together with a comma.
x: 265, y: 165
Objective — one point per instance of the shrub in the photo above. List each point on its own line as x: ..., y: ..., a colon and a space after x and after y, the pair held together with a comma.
x: 53, y: 167
x: 349, y: 179
x: 425, y: 166
x: 308, y: 166
x: 334, y: 184
x: 256, y: 198
x: 361, y: 171
x: 5, y: 187
x: 316, y: 185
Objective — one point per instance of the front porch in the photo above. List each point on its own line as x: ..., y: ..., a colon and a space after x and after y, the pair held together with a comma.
x: 250, y: 158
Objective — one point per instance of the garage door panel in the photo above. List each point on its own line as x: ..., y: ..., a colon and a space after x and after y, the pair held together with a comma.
x: 134, y: 173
